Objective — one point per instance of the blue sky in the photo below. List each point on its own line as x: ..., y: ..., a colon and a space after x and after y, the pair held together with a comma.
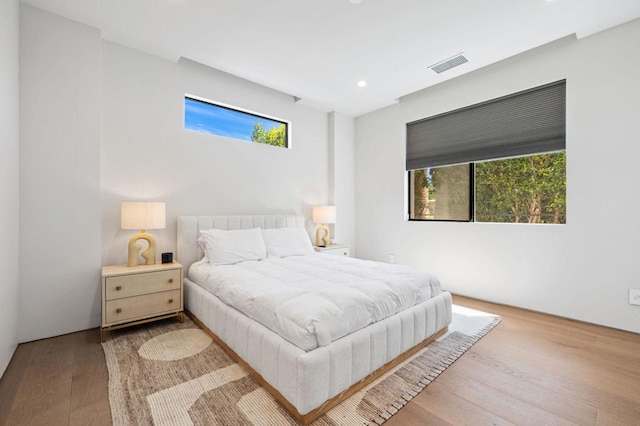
x: 208, y: 118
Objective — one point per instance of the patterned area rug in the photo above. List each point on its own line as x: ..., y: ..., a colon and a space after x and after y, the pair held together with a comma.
x: 167, y: 373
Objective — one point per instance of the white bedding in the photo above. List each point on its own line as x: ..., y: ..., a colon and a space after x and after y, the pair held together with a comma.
x: 313, y: 300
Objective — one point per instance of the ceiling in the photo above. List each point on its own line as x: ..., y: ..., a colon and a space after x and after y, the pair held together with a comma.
x: 317, y: 50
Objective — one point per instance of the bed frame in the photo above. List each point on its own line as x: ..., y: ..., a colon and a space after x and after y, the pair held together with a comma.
x: 307, y: 384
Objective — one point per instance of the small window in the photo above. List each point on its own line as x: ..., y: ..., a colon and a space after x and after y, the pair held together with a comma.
x: 221, y: 120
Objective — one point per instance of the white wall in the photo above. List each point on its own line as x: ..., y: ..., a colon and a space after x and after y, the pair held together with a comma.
x: 100, y: 124
x: 9, y: 183
x: 59, y: 175
x: 342, y: 177
x: 580, y: 270
x: 147, y: 154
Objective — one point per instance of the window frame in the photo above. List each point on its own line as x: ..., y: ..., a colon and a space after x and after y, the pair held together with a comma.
x: 216, y: 104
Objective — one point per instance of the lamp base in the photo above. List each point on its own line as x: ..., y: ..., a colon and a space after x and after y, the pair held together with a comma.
x: 134, y: 248
x: 322, y: 240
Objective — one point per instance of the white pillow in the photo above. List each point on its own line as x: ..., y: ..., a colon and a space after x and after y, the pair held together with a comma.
x: 228, y: 247
x: 283, y: 242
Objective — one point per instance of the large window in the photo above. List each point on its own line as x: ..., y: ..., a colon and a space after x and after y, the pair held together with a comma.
x: 503, y: 160
x: 221, y: 120
x: 529, y: 189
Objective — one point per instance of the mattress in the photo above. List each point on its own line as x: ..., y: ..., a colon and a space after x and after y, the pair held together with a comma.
x: 314, y: 300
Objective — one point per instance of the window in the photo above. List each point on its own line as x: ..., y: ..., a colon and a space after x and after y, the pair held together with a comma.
x: 528, y: 189
x: 503, y: 160
x: 221, y: 120
x: 441, y: 193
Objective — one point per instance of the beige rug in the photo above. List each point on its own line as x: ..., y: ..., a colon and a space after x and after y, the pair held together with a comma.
x: 167, y: 373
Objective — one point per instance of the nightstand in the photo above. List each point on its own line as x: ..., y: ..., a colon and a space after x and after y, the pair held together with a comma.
x: 334, y: 249
x: 139, y: 294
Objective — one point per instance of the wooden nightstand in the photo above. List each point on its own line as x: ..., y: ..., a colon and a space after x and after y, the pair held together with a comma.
x: 139, y: 294
x: 334, y: 249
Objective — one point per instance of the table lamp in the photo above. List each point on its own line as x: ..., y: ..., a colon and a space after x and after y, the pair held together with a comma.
x: 323, y: 215
x: 142, y: 215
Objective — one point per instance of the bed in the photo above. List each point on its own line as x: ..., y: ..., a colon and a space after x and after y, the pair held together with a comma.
x: 307, y: 375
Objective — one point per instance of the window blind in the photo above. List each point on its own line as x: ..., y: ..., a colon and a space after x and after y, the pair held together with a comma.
x: 523, y: 123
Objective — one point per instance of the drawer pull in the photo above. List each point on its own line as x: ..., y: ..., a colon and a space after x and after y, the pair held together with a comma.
x: 118, y: 310
x: 118, y: 287
x: 345, y: 253
x: 170, y: 280
x: 170, y: 300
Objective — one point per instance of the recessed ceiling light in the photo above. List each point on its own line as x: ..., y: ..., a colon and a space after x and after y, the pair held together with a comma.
x: 355, y: 1
x: 362, y: 83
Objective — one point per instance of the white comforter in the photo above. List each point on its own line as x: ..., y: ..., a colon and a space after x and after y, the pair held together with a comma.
x: 316, y: 299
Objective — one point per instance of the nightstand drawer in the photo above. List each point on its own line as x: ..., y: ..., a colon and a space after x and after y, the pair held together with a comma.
x: 136, y: 284
x: 130, y: 308
x: 338, y: 251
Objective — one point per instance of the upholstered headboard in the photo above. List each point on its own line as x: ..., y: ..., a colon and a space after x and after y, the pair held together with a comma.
x: 188, y: 249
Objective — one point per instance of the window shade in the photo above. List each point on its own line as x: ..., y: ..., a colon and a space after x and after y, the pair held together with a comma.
x: 527, y: 122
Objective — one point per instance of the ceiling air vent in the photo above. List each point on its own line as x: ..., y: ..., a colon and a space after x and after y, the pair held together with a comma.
x: 447, y: 64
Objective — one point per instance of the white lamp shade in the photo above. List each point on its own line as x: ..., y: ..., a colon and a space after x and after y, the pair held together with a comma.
x: 142, y: 215
x: 324, y: 214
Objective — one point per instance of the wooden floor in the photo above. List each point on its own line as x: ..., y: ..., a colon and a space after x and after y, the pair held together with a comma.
x: 532, y: 369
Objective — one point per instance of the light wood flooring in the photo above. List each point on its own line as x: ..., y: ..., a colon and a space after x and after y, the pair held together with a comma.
x: 532, y: 369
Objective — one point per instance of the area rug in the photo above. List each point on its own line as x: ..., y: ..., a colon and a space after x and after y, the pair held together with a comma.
x: 167, y: 373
